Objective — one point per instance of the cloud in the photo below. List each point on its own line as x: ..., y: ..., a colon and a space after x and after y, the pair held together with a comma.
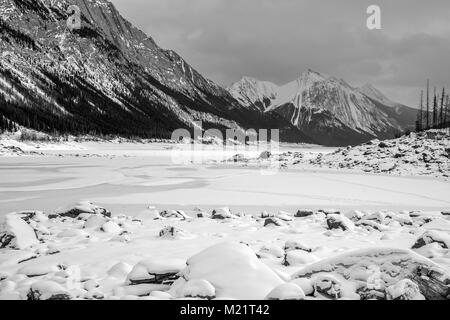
x: 276, y: 40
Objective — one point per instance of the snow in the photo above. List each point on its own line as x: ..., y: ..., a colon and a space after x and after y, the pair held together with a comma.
x: 16, y: 233
x: 234, y: 270
x: 404, y: 290
x: 197, y: 289
x: 232, y: 258
x: 286, y: 291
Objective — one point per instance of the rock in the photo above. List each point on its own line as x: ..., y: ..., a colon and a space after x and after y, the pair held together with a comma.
x: 271, y: 250
x: 37, y: 270
x: 394, y: 265
x: 304, y: 213
x: 328, y: 286
x: 330, y: 211
x: 37, y: 216
x: 446, y: 213
x: 404, y: 290
x: 111, y: 227
x: 174, y: 214
x: 273, y: 222
x: 354, y: 215
x: 200, y: 289
x: 120, y: 270
x: 433, y: 237
x: 47, y: 290
x: 265, y: 155
x: 298, y: 257
x: 75, y: 211
x: 383, y: 145
x: 222, y: 214
x: 296, y: 245
x: 234, y: 270
x: 15, y: 233
x: 173, y: 233
x: 286, y: 291
x: 156, y: 271
x: 335, y: 221
x: 371, y: 294
x: 238, y: 158
x: 305, y: 284
x: 94, y: 222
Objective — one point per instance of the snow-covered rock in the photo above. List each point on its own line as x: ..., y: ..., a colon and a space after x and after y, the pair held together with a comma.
x: 429, y: 237
x: 156, y: 271
x: 286, y: 291
x: 84, y: 207
x: 15, y: 233
x: 304, y: 213
x: 271, y: 250
x: 298, y: 257
x: 174, y: 214
x: 234, y: 270
x: 274, y: 221
x: 404, y: 290
x: 222, y: 214
x: 391, y: 265
x: 328, y: 286
x: 173, y: 233
x: 47, y: 290
x: 111, y: 227
x: 297, y: 245
x: 197, y: 288
x: 338, y: 221
x: 37, y: 270
x: 306, y: 285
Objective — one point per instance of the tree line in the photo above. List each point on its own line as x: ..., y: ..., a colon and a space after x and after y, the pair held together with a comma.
x: 433, y: 113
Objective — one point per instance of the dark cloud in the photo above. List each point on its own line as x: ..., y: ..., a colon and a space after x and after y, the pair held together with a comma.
x: 276, y: 40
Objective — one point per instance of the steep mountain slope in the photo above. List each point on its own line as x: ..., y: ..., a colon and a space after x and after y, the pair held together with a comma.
x: 107, y: 77
x: 404, y: 115
x: 326, y: 108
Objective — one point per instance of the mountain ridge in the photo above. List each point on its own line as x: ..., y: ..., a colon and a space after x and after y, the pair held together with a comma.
x: 105, y: 76
x: 329, y: 109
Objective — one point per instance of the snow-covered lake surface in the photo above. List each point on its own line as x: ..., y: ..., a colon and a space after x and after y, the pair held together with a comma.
x: 138, y: 182
x: 130, y: 177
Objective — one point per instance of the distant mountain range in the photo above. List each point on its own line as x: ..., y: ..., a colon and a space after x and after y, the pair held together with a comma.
x: 326, y: 108
x: 110, y: 78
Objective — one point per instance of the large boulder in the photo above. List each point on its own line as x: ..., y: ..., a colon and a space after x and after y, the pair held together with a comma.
x: 392, y: 265
x: 234, y: 270
x: 15, y: 233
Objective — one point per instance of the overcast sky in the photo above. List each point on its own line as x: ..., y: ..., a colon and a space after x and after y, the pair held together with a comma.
x: 276, y: 40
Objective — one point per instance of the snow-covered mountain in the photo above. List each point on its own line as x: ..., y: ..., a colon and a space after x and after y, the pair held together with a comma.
x: 326, y: 108
x: 106, y: 78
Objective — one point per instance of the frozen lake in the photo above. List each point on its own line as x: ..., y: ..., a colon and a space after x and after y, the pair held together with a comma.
x: 130, y: 177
